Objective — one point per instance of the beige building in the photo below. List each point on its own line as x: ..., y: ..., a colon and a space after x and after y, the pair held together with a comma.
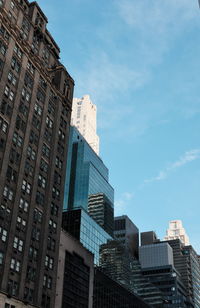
x: 176, y: 231
x: 84, y: 114
x: 74, y: 286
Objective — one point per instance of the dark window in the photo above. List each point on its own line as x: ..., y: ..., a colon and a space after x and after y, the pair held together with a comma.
x: 11, y: 174
x: 33, y: 138
x: 5, y: 108
x: 28, y: 81
x: 13, y: 287
x: 37, y: 216
x: 39, y: 198
x: 20, y: 124
x: 15, y: 64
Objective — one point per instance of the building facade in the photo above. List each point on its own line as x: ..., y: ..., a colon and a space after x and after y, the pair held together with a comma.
x: 176, y: 231
x: 74, y: 287
x: 127, y: 233
x: 84, y: 114
x: 86, y: 174
x: 35, y: 107
x: 79, y: 224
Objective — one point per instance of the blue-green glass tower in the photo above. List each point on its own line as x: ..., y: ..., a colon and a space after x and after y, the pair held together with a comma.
x: 86, y: 174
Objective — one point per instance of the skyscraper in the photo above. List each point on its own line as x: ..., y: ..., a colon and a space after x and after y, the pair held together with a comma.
x: 84, y: 114
x: 86, y: 174
x: 176, y: 231
x: 35, y: 102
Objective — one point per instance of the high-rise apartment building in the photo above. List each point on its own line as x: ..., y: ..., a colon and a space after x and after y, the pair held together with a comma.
x: 35, y: 102
x: 84, y: 114
x: 176, y: 231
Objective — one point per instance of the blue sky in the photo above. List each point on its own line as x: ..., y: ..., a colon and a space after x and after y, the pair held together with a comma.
x: 140, y: 63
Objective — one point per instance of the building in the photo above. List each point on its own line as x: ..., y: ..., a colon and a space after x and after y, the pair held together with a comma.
x: 79, y: 224
x: 127, y: 233
x: 35, y: 107
x: 158, y: 266
x: 74, y: 287
x: 86, y: 174
x: 110, y: 294
x: 176, y: 231
x: 84, y: 114
x: 101, y: 210
x: 148, y: 238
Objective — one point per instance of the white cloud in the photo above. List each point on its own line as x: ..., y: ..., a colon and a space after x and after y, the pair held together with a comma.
x: 189, y: 156
x: 122, y: 203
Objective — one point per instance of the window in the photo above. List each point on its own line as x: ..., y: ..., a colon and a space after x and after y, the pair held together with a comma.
x: 12, y: 5
x: 3, y: 32
x: 18, y: 244
x: 30, y: 68
x: 33, y: 138
x: 23, y: 109
x: 40, y: 96
x: 11, y: 174
x: 26, y: 95
x: 26, y: 187
x: 58, y: 163
x: 51, y: 108
x: 63, y: 123
x: 39, y: 198
x: 13, y: 287
x: 2, y: 143
x: 41, y: 181
x: 52, y: 225
x: 61, y: 135
x: 49, y: 122
x: 28, y: 81
x: 14, y: 157
x: 1, y: 257
x: 47, y: 135
x: 21, y: 223
x: 31, y: 154
x: 3, y: 48
x: 36, y: 122
x: 18, y: 51
x: 35, y: 234
x: 60, y: 149
x: 46, y: 150
x: 15, y: 265
x: 33, y: 253
x: 3, y: 125
x: 8, y: 193
x: 9, y: 93
x: 15, y: 64
x: 4, y: 212
x: 49, y: 262
x: 47, y: 282
x: 28, y: 169
x: 25, y: 29
x: 57, y: 178
x: 20, y: 124
x: 31, y: 273
x: 51, y: 243
x: 12, y: 79
x: 28, y: 294
x: 5, y: 108
x: 42, y: 83
x: 23, y: 204
x: 54, y: 209
x: 3, y: 234
x: 38, y: 109
x: 45, y: 55
x: 37, y: 216
x: 55, y: 193
x: 44, y: 166
x: 17, y: 140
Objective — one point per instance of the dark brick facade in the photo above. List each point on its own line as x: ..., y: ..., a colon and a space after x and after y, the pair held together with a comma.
x: 35, y: 108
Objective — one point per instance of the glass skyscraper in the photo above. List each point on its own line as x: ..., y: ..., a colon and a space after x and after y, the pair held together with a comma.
x: 86, y: 174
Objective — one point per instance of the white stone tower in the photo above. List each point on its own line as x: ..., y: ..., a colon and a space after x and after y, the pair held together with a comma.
x: 176, y: 231
x: 84, y: 114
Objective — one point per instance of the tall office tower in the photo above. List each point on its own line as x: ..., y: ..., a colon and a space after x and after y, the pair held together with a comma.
x: 35, y: 102
x: 176, y: 231
x: 84, y: 114
x: 186, y: 263
x: 86, y: 174
x: 127, y: 233
x: 158, y: 265
x: 101, y: 210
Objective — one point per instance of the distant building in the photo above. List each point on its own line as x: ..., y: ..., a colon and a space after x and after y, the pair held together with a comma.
x: 84, y: 118
x: 35, y: 107
x: 101, y: 210
x: 176, y: 231
x: 127, y: 233
x: 157, y: 265
x: 79, y: 224
x: 148, y: 238
x: 86, y: 174
x: 74, y: 287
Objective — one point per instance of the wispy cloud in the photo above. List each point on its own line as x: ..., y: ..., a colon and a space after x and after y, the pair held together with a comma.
x: 188, y: 157
x: 122, y: 202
